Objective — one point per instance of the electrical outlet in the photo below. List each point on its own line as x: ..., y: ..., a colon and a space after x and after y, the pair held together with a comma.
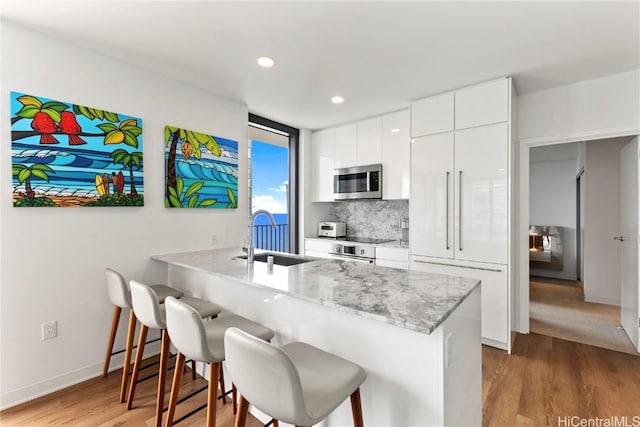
x: 214, y: 240
x: 49, y: 330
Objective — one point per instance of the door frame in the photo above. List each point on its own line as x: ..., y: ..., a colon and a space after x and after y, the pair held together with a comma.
x: 521, y: 306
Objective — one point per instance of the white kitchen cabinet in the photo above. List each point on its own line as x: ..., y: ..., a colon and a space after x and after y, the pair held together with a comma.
x: 481, y: 194
x: 459, y: 205
x: 322, y: 165
x: 346, y: 146
x: 317, y: 248
x: 432, y: 115
x: 432, y: 193
x: 392, y: 257
x: 369, y: 141
x: 494, y: 294
x: 396, y: 155
x: 482, y: 104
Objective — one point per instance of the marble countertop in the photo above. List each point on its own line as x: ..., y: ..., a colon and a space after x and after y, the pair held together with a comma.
x: 390, y: 244
x: 409, y: 299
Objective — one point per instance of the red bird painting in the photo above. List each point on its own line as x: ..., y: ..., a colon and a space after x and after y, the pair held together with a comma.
x: 44, y: 125
x: 69, y: 126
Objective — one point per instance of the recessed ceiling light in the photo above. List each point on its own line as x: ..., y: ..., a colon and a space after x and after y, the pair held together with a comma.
x: 266, y: 62
x: 394, y: 130
x: 337, y: 100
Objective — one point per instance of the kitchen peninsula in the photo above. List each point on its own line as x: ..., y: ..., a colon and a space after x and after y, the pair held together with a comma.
x: 416, y: 334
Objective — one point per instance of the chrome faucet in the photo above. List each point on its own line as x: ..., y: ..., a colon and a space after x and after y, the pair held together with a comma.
x: 250, y: 247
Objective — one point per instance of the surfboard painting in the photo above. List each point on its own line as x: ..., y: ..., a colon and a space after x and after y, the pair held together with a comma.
x: 201, y: 170
x: 70, y: 155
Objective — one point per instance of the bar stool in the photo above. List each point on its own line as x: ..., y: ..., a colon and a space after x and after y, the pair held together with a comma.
x: 151, y: 314
x: 203, y: 340
x: 310, y: 382
x: 120, y: 296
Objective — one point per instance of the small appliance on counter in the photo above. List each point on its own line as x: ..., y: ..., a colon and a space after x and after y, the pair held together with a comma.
x: 332, y: 229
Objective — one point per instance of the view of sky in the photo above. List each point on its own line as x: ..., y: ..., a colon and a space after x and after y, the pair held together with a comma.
x: 270, y: 166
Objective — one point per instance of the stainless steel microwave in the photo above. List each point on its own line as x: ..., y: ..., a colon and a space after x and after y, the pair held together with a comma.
x: 358, y: 182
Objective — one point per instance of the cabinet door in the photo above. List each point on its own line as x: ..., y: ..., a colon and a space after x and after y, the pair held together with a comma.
x: 396, y: 159
x: 392, y: 257
x: 345, y: 143
x: 481, y: 203
x: 431, y: 207
x: 369, y: 141
x: 322, y: 165
x: 482, y: 104
x: 494, y: 291
x: 432, y: 115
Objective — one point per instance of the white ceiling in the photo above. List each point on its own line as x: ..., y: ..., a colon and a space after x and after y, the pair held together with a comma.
x: 378, y: 55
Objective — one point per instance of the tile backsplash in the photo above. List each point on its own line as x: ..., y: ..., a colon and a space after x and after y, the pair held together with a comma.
x: 378, y: 219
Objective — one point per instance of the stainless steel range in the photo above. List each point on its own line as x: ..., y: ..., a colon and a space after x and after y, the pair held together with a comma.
x: 359, y: 251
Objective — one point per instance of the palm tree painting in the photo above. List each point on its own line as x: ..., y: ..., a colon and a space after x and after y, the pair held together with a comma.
x: 201, y: 170
x: 70, y: 155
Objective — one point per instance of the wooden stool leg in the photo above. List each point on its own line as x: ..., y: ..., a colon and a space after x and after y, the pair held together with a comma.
x: 136, y: 365
x: 193, y: 370
x: 234, y: 398
x: 131, y: 330
x: 212, y: 395
x: 275, y: 423
x: 224, y: 390
x: 356, y: 408
x: 243, y: 409
x: 112, y: 338
x: 175, y: 388
x: 162, y: 376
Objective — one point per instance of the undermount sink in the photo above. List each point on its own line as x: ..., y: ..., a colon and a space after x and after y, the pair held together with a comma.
x: 279, y: 259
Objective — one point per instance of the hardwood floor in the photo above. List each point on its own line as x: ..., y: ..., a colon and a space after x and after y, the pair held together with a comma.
x: 545, y: 378
x: 558, y: 309
x: 96, y: 403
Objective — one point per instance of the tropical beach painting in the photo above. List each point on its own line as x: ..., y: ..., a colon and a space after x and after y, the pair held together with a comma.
x: 70, y: 155
x: 201, y: 170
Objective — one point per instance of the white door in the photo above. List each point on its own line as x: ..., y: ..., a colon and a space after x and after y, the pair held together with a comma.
x: 432, y: 195
x: 481, y: 201
x: 630, y: 300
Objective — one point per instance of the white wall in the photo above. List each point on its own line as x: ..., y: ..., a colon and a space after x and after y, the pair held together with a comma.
x: 602, y: 221
x: 53, y: 258
x: 609, y: 106
x: 310, y: 213
x: 552, y: 200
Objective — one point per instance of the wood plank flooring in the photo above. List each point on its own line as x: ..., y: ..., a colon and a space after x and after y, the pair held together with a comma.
x: 545, y: 378
x: 96, y: 403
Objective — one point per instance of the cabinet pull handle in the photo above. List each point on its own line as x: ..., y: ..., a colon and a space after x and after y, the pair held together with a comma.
x: 495, y: 270
x: 447, y: 210
x: 460, y: 213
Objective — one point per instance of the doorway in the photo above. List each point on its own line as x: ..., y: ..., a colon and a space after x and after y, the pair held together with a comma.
x: 575, y: 284
x: 273, y: 178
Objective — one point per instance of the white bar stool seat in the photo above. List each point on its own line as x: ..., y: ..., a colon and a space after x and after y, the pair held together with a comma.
x: 203, y: 340
x: 152, y: 314
x: 120, y: 295
x: 311, y: 383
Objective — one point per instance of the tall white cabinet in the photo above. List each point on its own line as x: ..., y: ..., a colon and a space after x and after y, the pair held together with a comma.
x: 460, y: 194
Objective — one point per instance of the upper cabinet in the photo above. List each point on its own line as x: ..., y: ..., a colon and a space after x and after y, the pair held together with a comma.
x: 482, y: 104
x: 478, y: 105
x: 346, y: 146
x: 369, y: 141
x: 396, y: 155
x: 432, y: 115
x: 322, y: 165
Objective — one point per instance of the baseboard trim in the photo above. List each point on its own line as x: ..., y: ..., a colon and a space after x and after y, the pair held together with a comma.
x: 33, y: 391
x: 497, y: 344
x: 602, y: 300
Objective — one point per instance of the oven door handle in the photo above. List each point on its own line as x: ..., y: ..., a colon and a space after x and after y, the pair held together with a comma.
x: 351, y: 258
